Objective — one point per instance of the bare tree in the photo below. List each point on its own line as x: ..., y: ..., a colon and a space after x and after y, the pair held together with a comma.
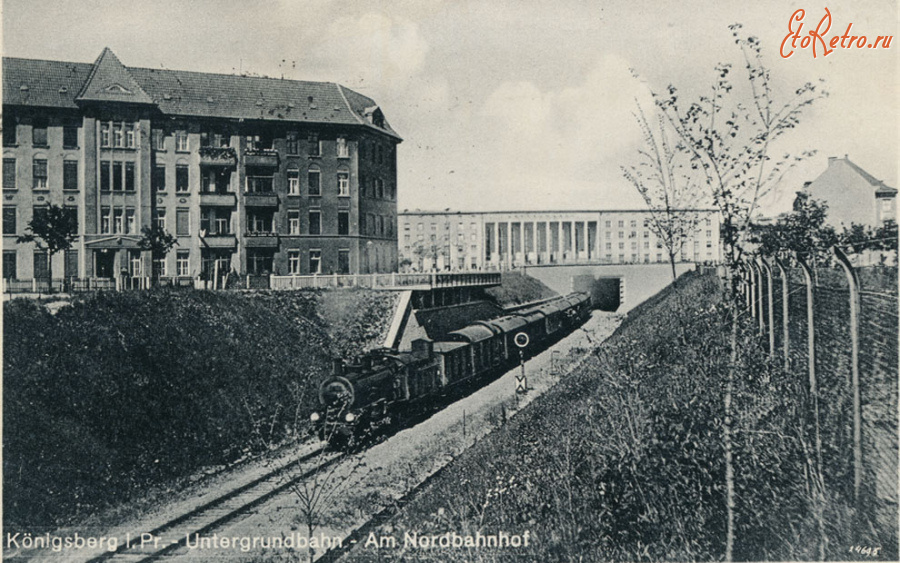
x: 668, y: 185
x: 730, y: 140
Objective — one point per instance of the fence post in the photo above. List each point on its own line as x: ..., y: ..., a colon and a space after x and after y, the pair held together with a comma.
x: 771, y: 296
x: 814, y: 393
x: 785, y: 314
x: 853, y: 281
x: 762, y: 301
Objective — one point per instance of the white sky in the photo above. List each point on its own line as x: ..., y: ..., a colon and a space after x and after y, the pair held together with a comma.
x: 502, y: 104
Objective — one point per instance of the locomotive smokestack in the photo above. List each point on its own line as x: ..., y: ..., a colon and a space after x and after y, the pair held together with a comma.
x: 337, y: 366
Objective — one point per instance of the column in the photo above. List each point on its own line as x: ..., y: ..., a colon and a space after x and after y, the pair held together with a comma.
x: 586, y: 240
x: 509, y: 250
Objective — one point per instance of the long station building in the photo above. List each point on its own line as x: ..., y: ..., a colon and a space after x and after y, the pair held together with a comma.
x: 252, y: 175
x: 452, y: 240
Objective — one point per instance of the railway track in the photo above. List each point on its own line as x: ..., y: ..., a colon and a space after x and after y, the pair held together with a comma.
x: 170, y: 537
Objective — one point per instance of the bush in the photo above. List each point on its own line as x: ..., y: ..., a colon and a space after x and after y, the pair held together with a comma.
x: 122, y: 390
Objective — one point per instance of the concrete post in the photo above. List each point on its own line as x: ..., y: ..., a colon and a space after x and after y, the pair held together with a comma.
x: 785, y: 314
x: 771, y: 295
x: 811, y: 355
x: 853, y: 281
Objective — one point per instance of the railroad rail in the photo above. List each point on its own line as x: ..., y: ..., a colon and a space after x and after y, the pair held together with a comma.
x: 214, y: 514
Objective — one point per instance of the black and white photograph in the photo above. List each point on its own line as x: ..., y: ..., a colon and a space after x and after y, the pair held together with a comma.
x: 449, y: 281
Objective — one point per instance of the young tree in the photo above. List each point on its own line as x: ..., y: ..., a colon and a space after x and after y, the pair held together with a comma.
x: 159, y: 242
x: 53, y: 229
x: 431, y: 250
x: 730, y: 140
x: 669, y: 187
x: 803, y: 232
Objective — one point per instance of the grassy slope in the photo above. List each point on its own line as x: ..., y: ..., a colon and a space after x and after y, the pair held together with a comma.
x: 623, y: 460
x: 121, y: 391
x: 517, y: 288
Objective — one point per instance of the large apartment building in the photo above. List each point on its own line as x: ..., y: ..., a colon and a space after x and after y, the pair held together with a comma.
x: 451, y: 240
x: 252, y: 175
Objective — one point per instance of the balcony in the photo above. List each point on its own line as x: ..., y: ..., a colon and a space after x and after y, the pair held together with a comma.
x: 218, y: 199
x: 260, y: 199
x: 218, y: 156
x: 261, y: 157
x: 219, y: 240
x: 260, y: 239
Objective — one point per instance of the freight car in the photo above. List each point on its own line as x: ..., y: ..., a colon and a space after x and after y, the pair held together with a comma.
x: 386, y: 386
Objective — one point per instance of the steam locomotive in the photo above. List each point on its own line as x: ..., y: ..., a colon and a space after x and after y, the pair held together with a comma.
x: 386, y: 386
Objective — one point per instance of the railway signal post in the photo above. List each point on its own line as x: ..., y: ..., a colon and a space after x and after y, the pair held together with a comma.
x: 521, y: 340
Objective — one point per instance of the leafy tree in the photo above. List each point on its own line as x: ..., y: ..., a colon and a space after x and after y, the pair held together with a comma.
x: 431, y: 250
x: 52, y: 229
x: 158, y: 241
x: 669, y: 187
x: 729, y: 138
x: 803, y: 232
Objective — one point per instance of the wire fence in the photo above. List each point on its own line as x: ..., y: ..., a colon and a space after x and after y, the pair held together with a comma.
x: 837, y: 328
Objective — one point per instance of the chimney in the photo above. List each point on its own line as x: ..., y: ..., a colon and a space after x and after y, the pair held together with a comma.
x: 831, y: 159
x: 337, y: 367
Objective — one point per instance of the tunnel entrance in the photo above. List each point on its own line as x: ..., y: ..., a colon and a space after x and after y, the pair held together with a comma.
x: 605, y: 292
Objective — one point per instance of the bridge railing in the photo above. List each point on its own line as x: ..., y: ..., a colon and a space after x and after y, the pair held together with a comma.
x: 386, y: 281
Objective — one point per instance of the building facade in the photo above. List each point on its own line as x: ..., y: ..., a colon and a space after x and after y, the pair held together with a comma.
x: 448, y: 240
x: 852, y: 195
x: 251, y: 175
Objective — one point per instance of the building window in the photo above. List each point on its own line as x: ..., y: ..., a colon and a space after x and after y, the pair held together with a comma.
x: 293, y: 177
x: 9, y: 173
x: 39, y: 133
x: 222, y: 224
x: 10, y: 138
x: 621, y: 234
x: 294, y: 223
x: 70, y: 137
x: 182, y: 263
x: 314, y: 145
x: 294, y: 262
x: 160, y: 218
x: 344, y: 261
x: 708, y: 234
x: 609, y: 246
x: 315, y: 261
x: 182, y: 222
x: 118, y: 220
x: 259, y: 184
x: 181, y: 141
x: 159, y: 177
x: 293, y: 146
x: 41, y: 268
x: 313, y: 180
x: 181, y: 178
x: 159, y: 139
x: 261, y: 222
x: 159, y: 267
x: 118, y: 135
x: 129, y: 135
x: 216, y: 140
x: 343, y: 222
x: 105, y: 175
x: 129, y: 176
x: 40, y: 173
x: 104, y: 135
x: 343, y: 181
x: 104, y: 220
x: 343, y: 150
x: 70, y: 175
x: 315, y: 222
x: 117, y: 176
x: 134, y: 263
x: 379, y: 188
x: 130, y: 223
x: 9, y: 264
x: 9, y: 220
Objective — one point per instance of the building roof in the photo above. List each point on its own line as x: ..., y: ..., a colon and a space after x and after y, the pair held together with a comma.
x: 880, y: 187
x: 59, y: 84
